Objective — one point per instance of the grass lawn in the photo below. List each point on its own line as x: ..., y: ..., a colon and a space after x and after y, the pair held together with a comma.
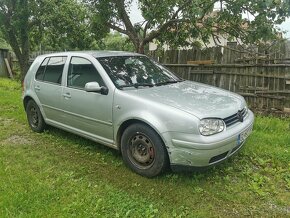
x: 57, y: 174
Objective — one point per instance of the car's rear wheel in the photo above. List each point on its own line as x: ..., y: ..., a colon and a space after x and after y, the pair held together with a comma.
x: 34, y: 117
x: 143, y: 150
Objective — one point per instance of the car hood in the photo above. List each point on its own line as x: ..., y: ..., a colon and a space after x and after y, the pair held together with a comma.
x: 195, y: 98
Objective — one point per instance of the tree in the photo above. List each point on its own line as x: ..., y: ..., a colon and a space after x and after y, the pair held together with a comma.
x: 175, y: 21
x: 63, y: 25
x: 26, y: 24
x: 15, y: 25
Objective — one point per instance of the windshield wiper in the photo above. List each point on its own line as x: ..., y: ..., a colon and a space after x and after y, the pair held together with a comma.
x: 168, y: 82
x: 136, y: 85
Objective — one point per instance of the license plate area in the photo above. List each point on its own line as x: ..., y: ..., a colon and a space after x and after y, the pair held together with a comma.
x: 242, y: 136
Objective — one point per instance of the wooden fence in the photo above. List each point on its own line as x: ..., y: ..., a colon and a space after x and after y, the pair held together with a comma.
x: 34, y: 54
x: 278, y: 54
x: 5, y: 63
x: 264, y: 81
x: 261, y: 75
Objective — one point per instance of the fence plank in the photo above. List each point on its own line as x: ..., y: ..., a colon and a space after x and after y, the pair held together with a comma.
x: 8, y: 68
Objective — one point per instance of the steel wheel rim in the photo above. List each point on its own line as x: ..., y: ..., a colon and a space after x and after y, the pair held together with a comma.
x: 141, y: 151
x: 34, y: 118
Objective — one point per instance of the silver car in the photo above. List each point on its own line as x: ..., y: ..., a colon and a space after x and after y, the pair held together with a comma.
x: 131, y: 103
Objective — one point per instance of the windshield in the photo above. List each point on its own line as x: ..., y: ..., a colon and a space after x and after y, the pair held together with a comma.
x: 135, y: 71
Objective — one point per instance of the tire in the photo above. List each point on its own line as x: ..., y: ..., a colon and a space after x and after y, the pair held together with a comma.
x: 34, y: 117
x: 143, y: 151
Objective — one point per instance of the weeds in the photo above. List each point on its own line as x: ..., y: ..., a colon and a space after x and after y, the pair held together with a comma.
x: 58, y: 174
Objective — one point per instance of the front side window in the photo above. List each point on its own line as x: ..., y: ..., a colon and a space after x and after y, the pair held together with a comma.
x: 82, y: 71
x: 127, y: 71
x: 51, y: 70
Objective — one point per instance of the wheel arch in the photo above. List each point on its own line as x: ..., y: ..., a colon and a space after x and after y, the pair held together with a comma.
x: 131, y: 121
x: 29, y: 97
x: 26, y: 100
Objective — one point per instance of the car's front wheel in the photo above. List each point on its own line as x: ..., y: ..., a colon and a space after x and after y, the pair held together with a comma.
x: 143, y: 150
x: 34, y: 117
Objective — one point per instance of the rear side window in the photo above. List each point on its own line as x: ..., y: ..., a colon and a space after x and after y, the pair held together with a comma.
x: 51, y: 70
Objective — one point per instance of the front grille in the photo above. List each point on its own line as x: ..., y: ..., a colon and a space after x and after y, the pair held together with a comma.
x: 231, y: 120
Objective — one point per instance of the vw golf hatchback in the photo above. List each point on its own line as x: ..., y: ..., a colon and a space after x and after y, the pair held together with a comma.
x: 131, y: 103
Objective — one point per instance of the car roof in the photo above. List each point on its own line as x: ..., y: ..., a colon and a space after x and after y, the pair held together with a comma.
x: 96, y: 54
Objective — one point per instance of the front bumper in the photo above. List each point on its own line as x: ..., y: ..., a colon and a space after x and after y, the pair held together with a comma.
x: 203, y: 151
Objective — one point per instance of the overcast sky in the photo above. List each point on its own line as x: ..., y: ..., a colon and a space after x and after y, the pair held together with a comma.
x: 136, y: 16
x: 286, y: 26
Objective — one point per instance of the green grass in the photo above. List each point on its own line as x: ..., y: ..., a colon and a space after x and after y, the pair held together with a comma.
x: 57, y: 174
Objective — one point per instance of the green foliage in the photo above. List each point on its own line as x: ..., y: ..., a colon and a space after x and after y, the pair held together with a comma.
x: 116, y: 42
x: 3, y: 43
x: 45, y: 24
x: 14, y: 24
x: 61, y: 25
x: 175, y: 22
x: 57, y: 174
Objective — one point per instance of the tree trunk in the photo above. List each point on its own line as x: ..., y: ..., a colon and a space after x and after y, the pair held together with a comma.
x: 15, y: 21
x: 21, y: 55
x: 141, y: 49
x: 136, y: 43
x: 24, y: 65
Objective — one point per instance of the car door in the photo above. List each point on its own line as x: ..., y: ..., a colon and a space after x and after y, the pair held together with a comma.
x: 88, y: 113
x: 47, y: 86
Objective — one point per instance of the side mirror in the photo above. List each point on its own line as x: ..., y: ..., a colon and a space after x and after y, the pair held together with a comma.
x: 95, y: 87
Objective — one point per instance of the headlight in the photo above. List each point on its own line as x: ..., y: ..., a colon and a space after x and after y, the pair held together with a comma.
x: 211, y: 126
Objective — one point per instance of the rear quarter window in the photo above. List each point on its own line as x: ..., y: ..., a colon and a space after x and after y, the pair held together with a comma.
x: 40, y: 72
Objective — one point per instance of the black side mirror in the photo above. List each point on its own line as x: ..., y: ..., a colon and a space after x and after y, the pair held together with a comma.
x: 104, y: 90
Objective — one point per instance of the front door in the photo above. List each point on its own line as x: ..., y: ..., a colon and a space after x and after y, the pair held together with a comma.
x: 88, y: 112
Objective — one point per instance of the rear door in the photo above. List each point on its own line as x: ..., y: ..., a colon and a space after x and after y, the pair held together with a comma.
x: 47, y: 86
x: 88, y: 112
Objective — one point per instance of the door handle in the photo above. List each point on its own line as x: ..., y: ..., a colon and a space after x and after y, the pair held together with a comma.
x: 66, y: 95
x: 37, y: 88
